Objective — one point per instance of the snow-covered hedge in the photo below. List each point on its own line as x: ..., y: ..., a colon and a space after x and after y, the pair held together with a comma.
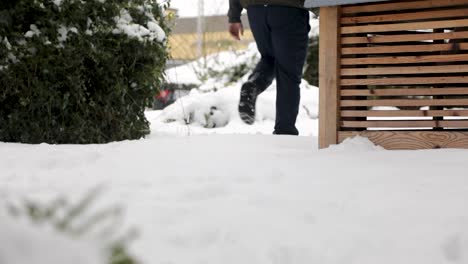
x: 75, y: 71
x: 311, y: 72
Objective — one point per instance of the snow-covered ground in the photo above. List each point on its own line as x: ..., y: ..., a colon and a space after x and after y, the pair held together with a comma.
x: 23, y: 242
x: 216, y: 113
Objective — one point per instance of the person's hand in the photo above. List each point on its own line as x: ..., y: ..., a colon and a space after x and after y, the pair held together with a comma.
x: 236, y: 30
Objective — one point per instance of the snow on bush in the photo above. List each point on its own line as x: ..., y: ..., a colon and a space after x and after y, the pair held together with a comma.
x: 216, y: 71
x: 75, y: 71
x: 126, y: 25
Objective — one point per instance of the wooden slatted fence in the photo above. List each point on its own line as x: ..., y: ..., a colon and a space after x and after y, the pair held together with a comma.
x: 401, y: 73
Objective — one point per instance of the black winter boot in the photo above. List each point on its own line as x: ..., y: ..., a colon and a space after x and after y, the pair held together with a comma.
x: 248, y: 99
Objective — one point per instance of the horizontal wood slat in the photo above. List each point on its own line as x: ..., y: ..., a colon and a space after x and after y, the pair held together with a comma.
x: 403, y: 113
x: 454, y: 47
x: 434, y: 14
x: 406, y: 124
x: 405, y: 102
x: 404, y: 91
x: 404, y: 81
x: 401, y: 6
x: 404, y: 70
x: 412, y: 140
x: 405, y: 59
x: 405, y: 26
x: 404, y: 38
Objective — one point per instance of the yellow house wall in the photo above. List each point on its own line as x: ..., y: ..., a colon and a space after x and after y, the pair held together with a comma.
x: 184, y: 46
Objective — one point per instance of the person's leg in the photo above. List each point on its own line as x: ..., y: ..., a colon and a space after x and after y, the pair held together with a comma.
x: 289, y: 33
x: 264, y: 72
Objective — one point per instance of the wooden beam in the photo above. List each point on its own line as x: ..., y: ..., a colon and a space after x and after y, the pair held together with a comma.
x: 405, y: 59
x: 412, y: 140
x: 404, y: 38
x: 432, y: 14
x: 404, y: 70
x: 450, y: 47
x: 405, y: 102
x: 405, y: 26
x: 389, y: 124
x: 329, y: 75
x: 405, y: 81
x: 408, y: 5
x: 405, y: 91
x: 404, y: 113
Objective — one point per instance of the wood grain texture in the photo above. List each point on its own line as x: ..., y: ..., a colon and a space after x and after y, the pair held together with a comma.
x: 404, y: 70
x: 329, y: 76
x: 405, y: 59
x: 407, y: 5
x: 404, y: 38
x: 405, y: 81
x: 405, y: 102
x: 404, y: 113
x: 404, y: 91
x: 406, y: 124
x: 452, y: 47
x: 405, y: 26
x: 433, y: 14
x: 409, y: 140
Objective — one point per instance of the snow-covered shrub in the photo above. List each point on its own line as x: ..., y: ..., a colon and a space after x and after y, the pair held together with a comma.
x: 74, y: 71
x: 225, y: 68
x: 312, y: 63
x: 86, y: 235
x: 219, y: 109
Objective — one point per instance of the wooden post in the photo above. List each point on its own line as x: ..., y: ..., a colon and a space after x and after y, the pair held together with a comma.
x: 329, y: 75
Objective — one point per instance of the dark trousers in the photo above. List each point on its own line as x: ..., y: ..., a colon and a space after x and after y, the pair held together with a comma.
x: 281, y: 34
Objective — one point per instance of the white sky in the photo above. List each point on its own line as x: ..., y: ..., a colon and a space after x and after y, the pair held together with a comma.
x: 189, y: 8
